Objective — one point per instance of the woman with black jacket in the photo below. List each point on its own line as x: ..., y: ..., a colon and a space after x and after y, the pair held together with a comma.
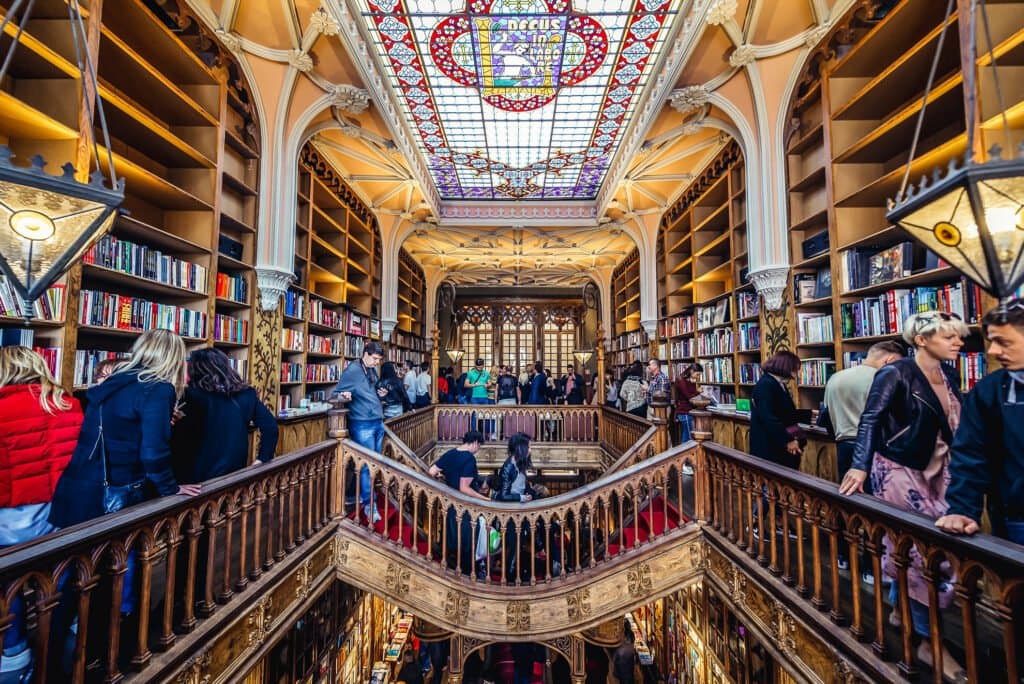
x: 396, y: 401
x: 511, y: 486
x: 912, y: 412
x: 212, y: 437
x: 774, y: 434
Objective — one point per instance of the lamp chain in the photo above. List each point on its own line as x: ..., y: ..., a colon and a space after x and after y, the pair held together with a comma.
x: 995, y: 72
x: 924, y: 104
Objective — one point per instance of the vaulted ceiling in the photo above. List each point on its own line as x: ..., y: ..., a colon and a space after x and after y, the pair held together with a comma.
x: 388, y: 164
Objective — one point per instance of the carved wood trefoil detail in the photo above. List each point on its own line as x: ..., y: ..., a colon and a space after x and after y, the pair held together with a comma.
x: 578, y: 604
x: 195, y: 669
x: 396, y: 579
x: 304, y: 580
x: 259, y: 621
x: 638, y: 580
x: 456, y: 607
x: 517, y: 616
x: 340, y: 552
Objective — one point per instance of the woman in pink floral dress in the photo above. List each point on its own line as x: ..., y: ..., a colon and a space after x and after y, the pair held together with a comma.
x: 912, y: 412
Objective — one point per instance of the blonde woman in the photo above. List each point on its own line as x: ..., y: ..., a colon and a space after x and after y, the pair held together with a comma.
x: 39, y: 426
x: 911, y: 415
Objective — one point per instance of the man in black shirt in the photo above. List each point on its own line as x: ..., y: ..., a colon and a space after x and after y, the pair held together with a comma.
x: 458, y: 468
x: 571, y: 386
x: 410, y: 672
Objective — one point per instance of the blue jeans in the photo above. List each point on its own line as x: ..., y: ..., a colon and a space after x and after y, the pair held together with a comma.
x: 918, y: 612
x: 368, y: 434
x: 489, y: 425
x: 685, y: 427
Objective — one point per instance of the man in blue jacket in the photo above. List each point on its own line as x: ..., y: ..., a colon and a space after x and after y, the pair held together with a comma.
x: 358, y: 386
x: 988, y: 450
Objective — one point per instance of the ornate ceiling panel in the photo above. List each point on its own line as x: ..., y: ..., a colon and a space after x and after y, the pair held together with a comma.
x: 518, y: 99
x: 519, y: 256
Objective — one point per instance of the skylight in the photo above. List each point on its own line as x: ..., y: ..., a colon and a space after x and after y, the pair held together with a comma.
x: 518, y: 99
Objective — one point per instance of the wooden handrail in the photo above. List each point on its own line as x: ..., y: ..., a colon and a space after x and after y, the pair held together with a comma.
x: 549, y: 423
x: 621, y: 431
x: 397, y: 450
x: 618, y: 513
x: 799, y: 539
x: 188, y: 555
x: 416, y: 429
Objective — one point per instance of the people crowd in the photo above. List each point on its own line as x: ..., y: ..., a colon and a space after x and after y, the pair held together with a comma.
x: 160, y: 423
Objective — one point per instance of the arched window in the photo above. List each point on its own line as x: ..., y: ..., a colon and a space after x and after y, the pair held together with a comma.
x: 517, y: 346
x: 559, y: 341
x: 477, y: 342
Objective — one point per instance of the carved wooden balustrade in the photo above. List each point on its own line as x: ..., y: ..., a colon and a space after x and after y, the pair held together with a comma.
x: 397, y: 450
x: 189, y: 557
x: 622, y: 433
x: 578, y: 530
x: 805, y: 527
x: 416, y: 429
x: 556, y: 423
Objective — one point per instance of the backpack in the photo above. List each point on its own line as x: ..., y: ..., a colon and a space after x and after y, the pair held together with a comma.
x: 631, y: 394
x: 507, y: 387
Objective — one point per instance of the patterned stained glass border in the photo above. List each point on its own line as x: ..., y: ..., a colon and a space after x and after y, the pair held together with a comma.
x: 518, y: 99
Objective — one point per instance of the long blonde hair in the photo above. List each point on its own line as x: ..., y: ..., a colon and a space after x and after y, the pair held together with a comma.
x: 22, y: 366
x: 158, y: 356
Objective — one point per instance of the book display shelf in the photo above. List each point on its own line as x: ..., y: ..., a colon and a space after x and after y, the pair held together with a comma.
x: 711, y: 315
x: 629, y: 342
x: 407, y: 341
x: 855, y: 278
x: 183, y: 137
x: 332, y: 307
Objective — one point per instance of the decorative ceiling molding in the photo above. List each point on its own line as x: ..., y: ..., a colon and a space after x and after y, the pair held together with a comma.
x: 383, y: 95
x: 721, y: 11
x: 686, y: 36
x: 519, y: 212
x: 689, y: 98
x: 742, y: 56
x: 349, y: 98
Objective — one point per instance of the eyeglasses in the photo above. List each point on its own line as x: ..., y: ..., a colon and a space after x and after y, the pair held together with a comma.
x: 941, y: 315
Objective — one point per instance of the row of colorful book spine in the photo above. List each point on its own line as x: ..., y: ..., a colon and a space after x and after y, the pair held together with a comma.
x: 718, y: 370
x: 121, y: 312
x: 228, y: 329
x: 291, y: 372
x: 717, y: 341
x: 294, y: 304
x: 681, y: 324
x: 142, y: 261
x: 233, y: 287
x: 49, y: 307
x: 321, y: 314
x: 814, y: 327
x: 816, y: 372
x: 323, y: 372
x: 292, y: 340
x: 324, y: 345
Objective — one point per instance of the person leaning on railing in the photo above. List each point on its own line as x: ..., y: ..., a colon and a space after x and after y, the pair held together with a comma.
x: 39, y: 426
x: 912, y: 412
x: 124, y: 449
x: 211, y: 438
x: 988, y: 450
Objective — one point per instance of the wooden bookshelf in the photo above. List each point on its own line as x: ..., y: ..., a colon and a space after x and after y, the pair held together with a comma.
x: 169, y: 116
x: 709, y: 308
x: 629, y: 342
x: 332, y: 307
x: 854, y: 114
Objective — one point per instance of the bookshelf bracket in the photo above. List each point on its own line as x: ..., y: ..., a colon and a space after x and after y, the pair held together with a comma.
x: 770, y: 283
x: 273, y: 282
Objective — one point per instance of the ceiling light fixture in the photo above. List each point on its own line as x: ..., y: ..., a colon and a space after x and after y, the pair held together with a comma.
x: 47, y: 222
x: 973, y: 217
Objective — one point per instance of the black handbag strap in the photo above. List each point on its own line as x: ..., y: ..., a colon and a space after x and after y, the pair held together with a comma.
x: 101, y: 444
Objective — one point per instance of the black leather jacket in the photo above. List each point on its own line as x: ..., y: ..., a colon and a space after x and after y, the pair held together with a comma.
x: 902, y: 417
x: 506, y: 478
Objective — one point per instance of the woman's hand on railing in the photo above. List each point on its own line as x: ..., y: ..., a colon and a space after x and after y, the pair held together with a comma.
x: 957, y: 524
x: 190, y: 489
x: 853, y: 482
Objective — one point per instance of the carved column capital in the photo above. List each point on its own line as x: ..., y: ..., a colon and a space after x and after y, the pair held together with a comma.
x: 770, y: 283
x: 273, y: 282
x: 387, y: 326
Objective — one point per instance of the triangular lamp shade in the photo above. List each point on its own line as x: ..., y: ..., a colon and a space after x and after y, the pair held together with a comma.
x: 47, y: 222
x: 974, y: 219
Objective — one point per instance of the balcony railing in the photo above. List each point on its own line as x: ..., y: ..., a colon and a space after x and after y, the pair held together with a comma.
x: 577, y: 530
x: 805, y: 527
x: 188, y: 557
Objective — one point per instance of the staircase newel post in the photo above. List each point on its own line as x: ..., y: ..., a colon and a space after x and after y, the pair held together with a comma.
x: 435, y: 362
x: 599, y: 351
x: 701, y: 480
x: 659, y: 415
x: 337, y: 428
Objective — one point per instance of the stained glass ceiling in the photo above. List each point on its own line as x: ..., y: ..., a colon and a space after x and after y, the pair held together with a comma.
x: 518, y: 99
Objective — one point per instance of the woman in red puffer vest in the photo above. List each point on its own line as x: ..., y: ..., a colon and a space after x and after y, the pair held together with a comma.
x: 39, y: 427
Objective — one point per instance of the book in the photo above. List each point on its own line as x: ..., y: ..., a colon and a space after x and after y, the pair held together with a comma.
x: 803, y: 287
x: 823, y: 283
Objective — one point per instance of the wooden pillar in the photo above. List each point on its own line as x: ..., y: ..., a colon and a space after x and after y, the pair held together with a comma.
x: 966, y: 25
x: 337, y: 428
x: 701, y: 480
x: 578, y: 662
x: 599, y: 363
x: 456, y: 659
x: 435, y: 363
x: 660, y: 409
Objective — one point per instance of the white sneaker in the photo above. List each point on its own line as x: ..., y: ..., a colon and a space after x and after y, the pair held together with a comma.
x: 373, y: 514
x: 688, y: 469
x: 868, y: 578
x: 842, y: 564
